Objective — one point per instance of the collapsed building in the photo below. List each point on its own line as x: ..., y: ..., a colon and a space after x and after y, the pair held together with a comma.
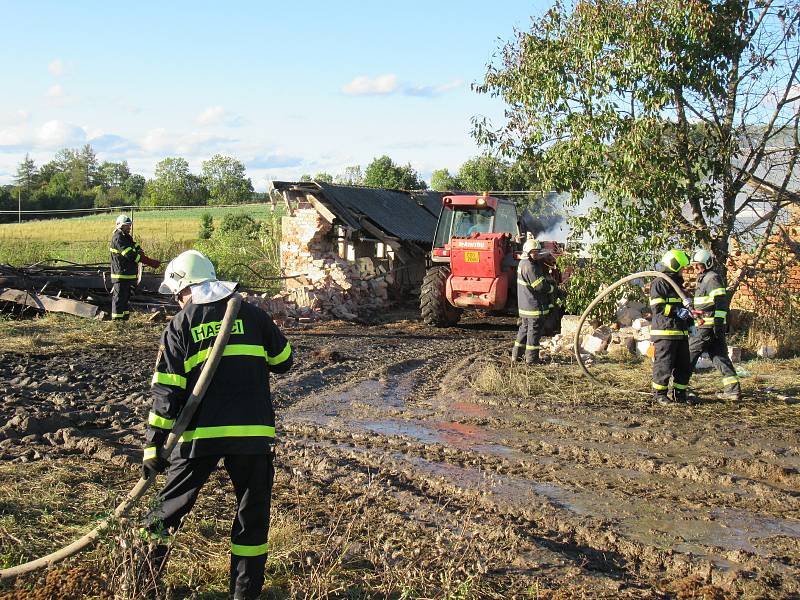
x: 349, y: 251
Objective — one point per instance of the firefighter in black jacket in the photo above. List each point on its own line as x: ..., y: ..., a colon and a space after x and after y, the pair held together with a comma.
x: 125, y: 258
x: 234, y: 422
x: 711, y: 320
x: 535, y: 301
x: 669, y: 331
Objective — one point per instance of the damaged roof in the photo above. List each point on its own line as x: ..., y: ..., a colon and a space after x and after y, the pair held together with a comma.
x: 408, y: 216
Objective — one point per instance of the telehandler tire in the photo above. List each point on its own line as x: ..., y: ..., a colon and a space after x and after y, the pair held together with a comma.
x: 436, y: 310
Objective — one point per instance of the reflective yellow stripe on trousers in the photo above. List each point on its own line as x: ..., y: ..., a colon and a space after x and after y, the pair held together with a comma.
x: 242, y: 550
x: 669, y: 332
x: 228, y: 431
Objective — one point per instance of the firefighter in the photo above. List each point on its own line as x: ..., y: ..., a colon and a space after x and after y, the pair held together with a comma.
x: 669, y: 331
x: 711, y: 320
x: 535, y: 300
x: 235, y: 421
x: 125, y: 258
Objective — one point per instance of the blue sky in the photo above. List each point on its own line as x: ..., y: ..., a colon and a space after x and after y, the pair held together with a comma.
x: 288, y: 88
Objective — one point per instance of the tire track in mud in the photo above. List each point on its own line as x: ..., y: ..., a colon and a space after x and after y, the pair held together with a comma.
x: 607, y: 497
x: 640, y: 492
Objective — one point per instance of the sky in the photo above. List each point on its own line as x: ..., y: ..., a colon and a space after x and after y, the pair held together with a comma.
x: 286, y: 87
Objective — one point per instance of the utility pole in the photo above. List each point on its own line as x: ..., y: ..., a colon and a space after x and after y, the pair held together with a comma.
x: 19, y: 205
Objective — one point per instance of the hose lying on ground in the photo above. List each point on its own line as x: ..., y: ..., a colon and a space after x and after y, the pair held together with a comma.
x: 599, y: 298
x: 143, y: 484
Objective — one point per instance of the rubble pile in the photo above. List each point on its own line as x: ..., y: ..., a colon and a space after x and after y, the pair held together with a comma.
x: 326, y: 286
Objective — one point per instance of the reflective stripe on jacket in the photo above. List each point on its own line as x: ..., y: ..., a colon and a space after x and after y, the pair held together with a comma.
x: 236, y: 414
x: 534, y: 290
x: 125, y: 256
x: 664, y: 304
x: 711, y: 297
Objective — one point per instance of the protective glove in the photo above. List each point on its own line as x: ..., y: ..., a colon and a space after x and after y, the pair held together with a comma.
x: 719, y: 330
x: 684, y: 314
x: 150, y: 262
x: 153, y: 461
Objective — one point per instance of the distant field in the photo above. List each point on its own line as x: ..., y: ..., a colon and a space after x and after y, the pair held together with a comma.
x: 162, y: 233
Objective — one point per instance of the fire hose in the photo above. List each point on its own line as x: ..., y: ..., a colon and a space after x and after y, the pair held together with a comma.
x: 133, y: 497
x: 599, y: 298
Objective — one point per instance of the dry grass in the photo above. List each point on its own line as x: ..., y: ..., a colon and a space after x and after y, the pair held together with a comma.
x: 771, y: 388
x: 320, y: 547
x: 54, y: 333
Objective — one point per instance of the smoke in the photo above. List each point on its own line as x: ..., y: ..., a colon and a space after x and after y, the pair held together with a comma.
x: 540, y: 224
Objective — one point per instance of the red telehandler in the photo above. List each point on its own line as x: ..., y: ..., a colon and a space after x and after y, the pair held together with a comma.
x: 473, y: 263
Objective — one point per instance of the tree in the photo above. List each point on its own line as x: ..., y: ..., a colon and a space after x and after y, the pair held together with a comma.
x: 482, y: 174
x: 174, y: 185
x: 442, y: 181
x: 226, y: 181
x: 134, y: 187
x: 113, y: 174
x: 664, y: 109
x: 27, y: 174
x: 322, y: 176
x: 382, y: 172
x: 351, y: 176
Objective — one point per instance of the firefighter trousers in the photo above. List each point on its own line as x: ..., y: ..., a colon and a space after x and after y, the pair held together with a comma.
x: 120, y: 297
x: 528, y: 339
x: 252, y: 477
x: 671, y: 361
x: 717, y: 349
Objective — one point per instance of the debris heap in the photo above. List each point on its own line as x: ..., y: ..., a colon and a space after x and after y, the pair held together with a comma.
x: 323, y: 285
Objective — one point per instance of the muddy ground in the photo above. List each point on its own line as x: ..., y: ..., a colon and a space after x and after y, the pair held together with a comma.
x: 610, y: 497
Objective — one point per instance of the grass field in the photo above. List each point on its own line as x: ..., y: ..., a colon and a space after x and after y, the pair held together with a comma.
x: 162, y: 233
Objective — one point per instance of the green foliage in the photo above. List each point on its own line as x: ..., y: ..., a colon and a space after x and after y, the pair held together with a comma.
x: 486, y: 173
x: 321, y: 176
x: 384, y: 173
x: 226, y: 181
x: 246, y: 250
x: 646, y: 105
x: 27, y: 173
x: 442, y: 181
x: 206, y: 226
x: 174, y: 185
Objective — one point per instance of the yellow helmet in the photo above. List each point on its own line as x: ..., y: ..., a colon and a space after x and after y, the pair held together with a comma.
x: 674, y: 260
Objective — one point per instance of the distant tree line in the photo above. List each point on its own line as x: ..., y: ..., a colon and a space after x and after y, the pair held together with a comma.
x: 75, y: 178
x: 479, y: 174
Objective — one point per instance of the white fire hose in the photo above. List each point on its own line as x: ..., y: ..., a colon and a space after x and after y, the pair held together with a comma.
x: 601, y: 296
x: 133, y: 497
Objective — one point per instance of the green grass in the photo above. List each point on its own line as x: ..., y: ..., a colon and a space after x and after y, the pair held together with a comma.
x: 162, y: 233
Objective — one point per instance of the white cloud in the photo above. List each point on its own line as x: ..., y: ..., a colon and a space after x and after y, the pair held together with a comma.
x: 55, y: 91
x: 217, y: 115
x: 14, y: 137
x: 160, y: 141
x: 14, y: 117
x: 385, y: 85
x: 157, y: 140
x: 59, y: 134
x: 211, y: 115
x: 56, y: 67
x: 376, y: 86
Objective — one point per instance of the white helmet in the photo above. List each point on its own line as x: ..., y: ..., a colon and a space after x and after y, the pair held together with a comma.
x: 123, y: 220
x: 704, y: 257
x: 529, y: 245
x: 188, y: 268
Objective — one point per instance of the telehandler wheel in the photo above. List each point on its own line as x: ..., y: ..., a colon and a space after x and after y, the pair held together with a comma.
x: 436, y: 310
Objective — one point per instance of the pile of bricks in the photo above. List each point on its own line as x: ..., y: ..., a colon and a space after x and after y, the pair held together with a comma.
x: 777, y: 274
x: 327, y: 285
